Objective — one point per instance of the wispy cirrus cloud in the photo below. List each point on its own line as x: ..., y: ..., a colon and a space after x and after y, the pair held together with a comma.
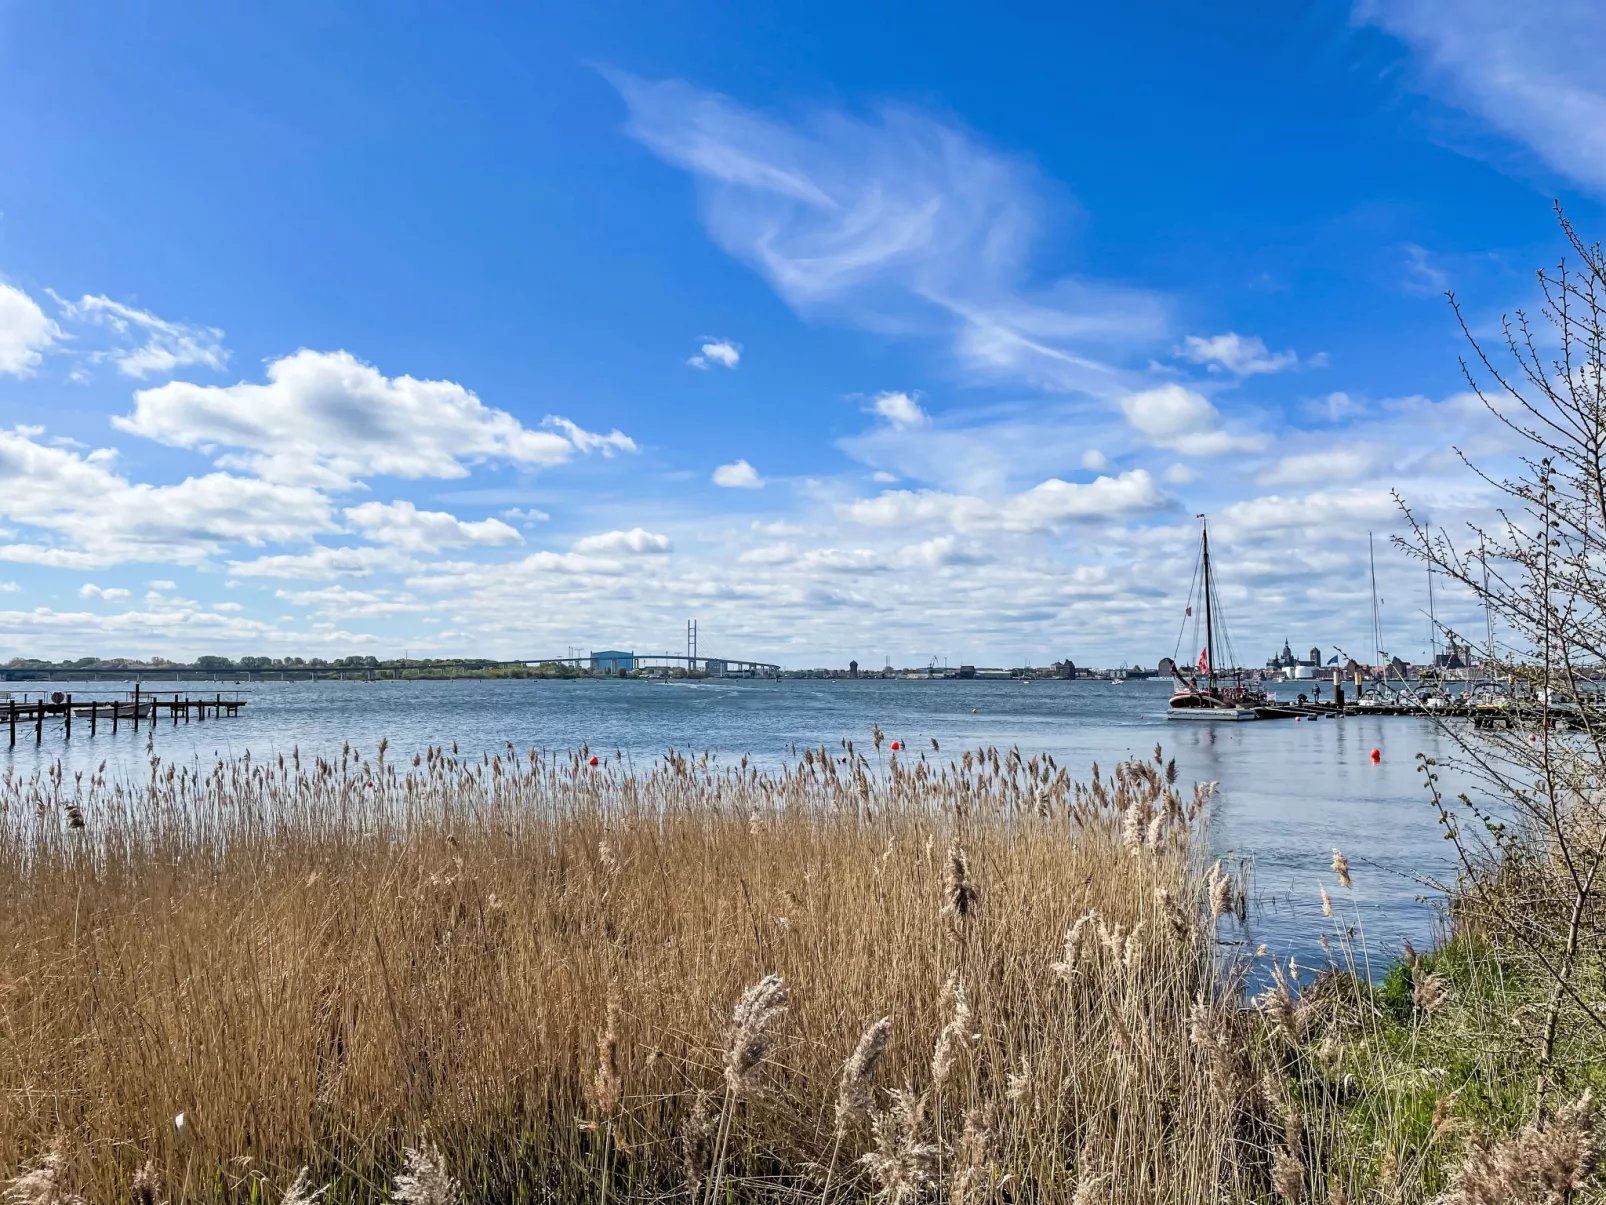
x: 1531, y: 70
x: 149, y: 345
x: 898, y: 222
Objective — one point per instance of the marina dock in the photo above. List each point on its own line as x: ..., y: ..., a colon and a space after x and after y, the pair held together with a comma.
x: 130, y: 711
x: 1506, y: 713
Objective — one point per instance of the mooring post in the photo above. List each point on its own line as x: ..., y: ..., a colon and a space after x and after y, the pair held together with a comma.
x: 175, y: 711
x: 114, y: 716
x: 67, y: 714
x: 94, y: 716
x: 13, y: 709
x: 39, y: 722
x: 136, y: 708
x: 218, y: 715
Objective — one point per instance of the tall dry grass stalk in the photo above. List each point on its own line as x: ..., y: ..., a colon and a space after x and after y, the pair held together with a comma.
x: 582, y: 984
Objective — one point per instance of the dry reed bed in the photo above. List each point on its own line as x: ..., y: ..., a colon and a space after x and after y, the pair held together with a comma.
x: 533, y: 963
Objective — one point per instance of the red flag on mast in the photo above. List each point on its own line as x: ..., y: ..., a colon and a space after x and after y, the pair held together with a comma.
x: 1204, y: 661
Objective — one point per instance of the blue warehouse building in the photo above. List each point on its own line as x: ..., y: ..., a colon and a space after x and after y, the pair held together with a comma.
x: 611, y: 661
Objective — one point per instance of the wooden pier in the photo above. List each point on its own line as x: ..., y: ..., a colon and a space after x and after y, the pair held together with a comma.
x: 135, y: 708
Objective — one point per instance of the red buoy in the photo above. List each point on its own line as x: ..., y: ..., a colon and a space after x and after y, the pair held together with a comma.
x: 593, y: 759
x: 1376, y: 756
x: 894, y: 744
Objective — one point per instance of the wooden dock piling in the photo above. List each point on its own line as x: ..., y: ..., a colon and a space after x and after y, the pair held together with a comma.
x: 36, y: 710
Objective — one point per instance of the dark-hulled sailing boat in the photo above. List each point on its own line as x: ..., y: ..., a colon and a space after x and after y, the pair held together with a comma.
x: 1222, y: 694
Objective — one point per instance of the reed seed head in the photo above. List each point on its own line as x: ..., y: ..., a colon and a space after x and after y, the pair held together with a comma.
x: 748, y: 1042
x: 903, y: 1162
x: 1429, y: 992
x: 40, y: 1184
x: 1181, y: 925
x: 606, y: 1086
x: 855, y: 1093
x: 1075, y: 937
x: 1221, y: 892
x: 1090, y: 1189
x: 1288, y: 1175
x: 953, y: 1035
x: 1546, y: 1163
x: 959, y: 894
x: 424, y: 1179
x: 975, y: 1167
x: 697, y: 1142
x: 301, y: 1191
x: 1341, y: 869
x: 146, y: 1188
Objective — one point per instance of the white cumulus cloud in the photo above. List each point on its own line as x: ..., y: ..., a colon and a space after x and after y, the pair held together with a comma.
x: 1044, y: 507
x: 328, y: 418
x: 900, y: 409
x: 325, y: 563
x: 1238, y: 354
x: 87, y: 515
x: 111, y: 594
x: 636, y: 541
x: 403, y: 525
x: 25, y: 332
x: 1178, y: 418
x: 1327, y: 467
x: 717, y: 351
x: 739, y: 475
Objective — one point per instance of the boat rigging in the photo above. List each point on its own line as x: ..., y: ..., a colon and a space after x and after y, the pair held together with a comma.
x: 1224, y: 695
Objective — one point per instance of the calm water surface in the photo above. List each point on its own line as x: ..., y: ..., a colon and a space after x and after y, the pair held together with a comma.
x: 1290, y: 792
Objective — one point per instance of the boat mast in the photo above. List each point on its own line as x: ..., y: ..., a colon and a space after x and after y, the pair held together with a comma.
x: 1433, y: 617
x: 1377, y: 633
x: 1210, y: 630
x: 1488, y: 615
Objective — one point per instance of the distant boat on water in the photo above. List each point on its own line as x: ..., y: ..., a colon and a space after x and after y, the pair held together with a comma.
x: 1223, y: 694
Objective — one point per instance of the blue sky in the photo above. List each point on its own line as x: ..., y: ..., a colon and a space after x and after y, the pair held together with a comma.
x: 861, y: 331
